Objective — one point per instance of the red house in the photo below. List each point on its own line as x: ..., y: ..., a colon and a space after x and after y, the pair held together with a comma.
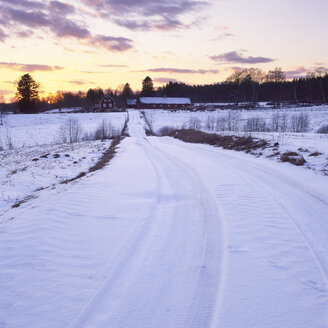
x: 106, y: 104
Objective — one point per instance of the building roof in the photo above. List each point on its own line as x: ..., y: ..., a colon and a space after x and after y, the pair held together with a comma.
x: 131, y: 101
x: 165, y: 101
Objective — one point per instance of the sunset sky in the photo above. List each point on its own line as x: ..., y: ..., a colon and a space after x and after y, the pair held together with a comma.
x: 82, y: 44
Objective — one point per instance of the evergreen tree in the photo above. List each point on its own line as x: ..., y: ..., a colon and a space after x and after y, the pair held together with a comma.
x: 27, y: 94
x: 147, y: 87
x: 93, y: 95
x: 127, y: 91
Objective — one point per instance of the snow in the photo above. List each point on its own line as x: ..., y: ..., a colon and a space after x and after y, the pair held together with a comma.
x: 170, y: 234
x: 304, y: 143
x: 39, y: 129
x: 23, y: 171
x: 165, y: 100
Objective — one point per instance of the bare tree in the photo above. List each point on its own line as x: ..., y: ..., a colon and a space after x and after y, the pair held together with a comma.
x: 320, y: 73
x: 70, y: 131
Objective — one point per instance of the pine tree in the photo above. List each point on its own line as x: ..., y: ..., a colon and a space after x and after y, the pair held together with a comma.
x: 127, y: 91
x: 147, y: 87
x: 27, y: 94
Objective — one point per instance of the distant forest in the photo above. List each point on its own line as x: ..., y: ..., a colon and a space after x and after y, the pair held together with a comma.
x: 248, y: 86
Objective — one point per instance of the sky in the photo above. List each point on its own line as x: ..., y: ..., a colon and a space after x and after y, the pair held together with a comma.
x: 81, y: 44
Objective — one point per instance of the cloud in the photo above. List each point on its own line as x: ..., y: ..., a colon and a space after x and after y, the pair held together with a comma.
x: 27, y: 4
x: 30, y: 19
x: 223, y: 32
x: 115, y: 44
x: 181, y: 71
x: 5, y: 92
x: 234, y: 69
x: 235, y: 57
x: 319, y: 63
x: 80, y: 82
x: 145, y: 14
x: 29, y: 67
x: 63, y: 8
x: 297, y: 72
x: 67, y: 28
x: 54, y: 17
x: 164, y: 80
x: 3, y: 36
x: 112, y: 65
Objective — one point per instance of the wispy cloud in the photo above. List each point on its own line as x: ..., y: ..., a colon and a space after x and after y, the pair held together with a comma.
x: 80, y: 82
x: 115, y: 44
x: 3, y: 36
x: 181, y: 71
x: 145, y: 14
x: 54, y: 16
x: 164, y: 80
x: 113, y: 65
x: 29, y: 67
x: 298, y: 71
x: 223, y: 33
x: 5, y: 92
x: 235, y: 57
x: 234, y: 69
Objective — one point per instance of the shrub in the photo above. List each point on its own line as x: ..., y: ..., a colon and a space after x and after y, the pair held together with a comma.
x: 233, y: 121
x: 323, y: 129
x: 221, y: 123
x: 210, y: 123
x: 70, y: 131
x: 255, y: 124
x: 105, y: 131
x: 194, y: 123
x: 300, y: 122
x: 293, y: 158
x: 279, y: 122
x: 165, y: 131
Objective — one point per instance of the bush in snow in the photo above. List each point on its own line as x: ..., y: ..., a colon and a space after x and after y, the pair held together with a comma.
x: 6, y: 141
x: 70, y: 131
x: 233, y: 121
x: 323, y: 129
x: 279, y: 122
x: 221, y: 123
x: 300, y: 122
x: 293, y: 158
x: 105, y: 131
x: 210, y: 123
x: 194, y: 123
x: 255, y: 124
x: 165, y: 131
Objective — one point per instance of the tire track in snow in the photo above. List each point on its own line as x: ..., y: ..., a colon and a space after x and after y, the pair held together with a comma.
x: 94, y: 304
x: 169, y: 273
x: 205, y: 300
x: 240, y: 166
x: 282, y: 251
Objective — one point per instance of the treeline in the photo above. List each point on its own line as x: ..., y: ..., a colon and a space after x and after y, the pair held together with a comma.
x: 253, y: 85
x: 246, y: 86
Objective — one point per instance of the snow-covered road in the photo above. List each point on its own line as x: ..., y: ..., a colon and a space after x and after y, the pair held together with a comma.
x: 170, y: 235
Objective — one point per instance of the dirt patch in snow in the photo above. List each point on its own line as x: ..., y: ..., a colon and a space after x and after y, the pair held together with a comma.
x: 246, y: 144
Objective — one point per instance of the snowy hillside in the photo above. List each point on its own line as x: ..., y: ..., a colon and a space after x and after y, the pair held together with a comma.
x: 167, y: 235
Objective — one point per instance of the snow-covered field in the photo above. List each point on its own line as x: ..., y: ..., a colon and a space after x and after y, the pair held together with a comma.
x: 168, y: 235
x: 40, y: 129
x: 26, y: 170
x: 318, y: 116
x: 305, y: 143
